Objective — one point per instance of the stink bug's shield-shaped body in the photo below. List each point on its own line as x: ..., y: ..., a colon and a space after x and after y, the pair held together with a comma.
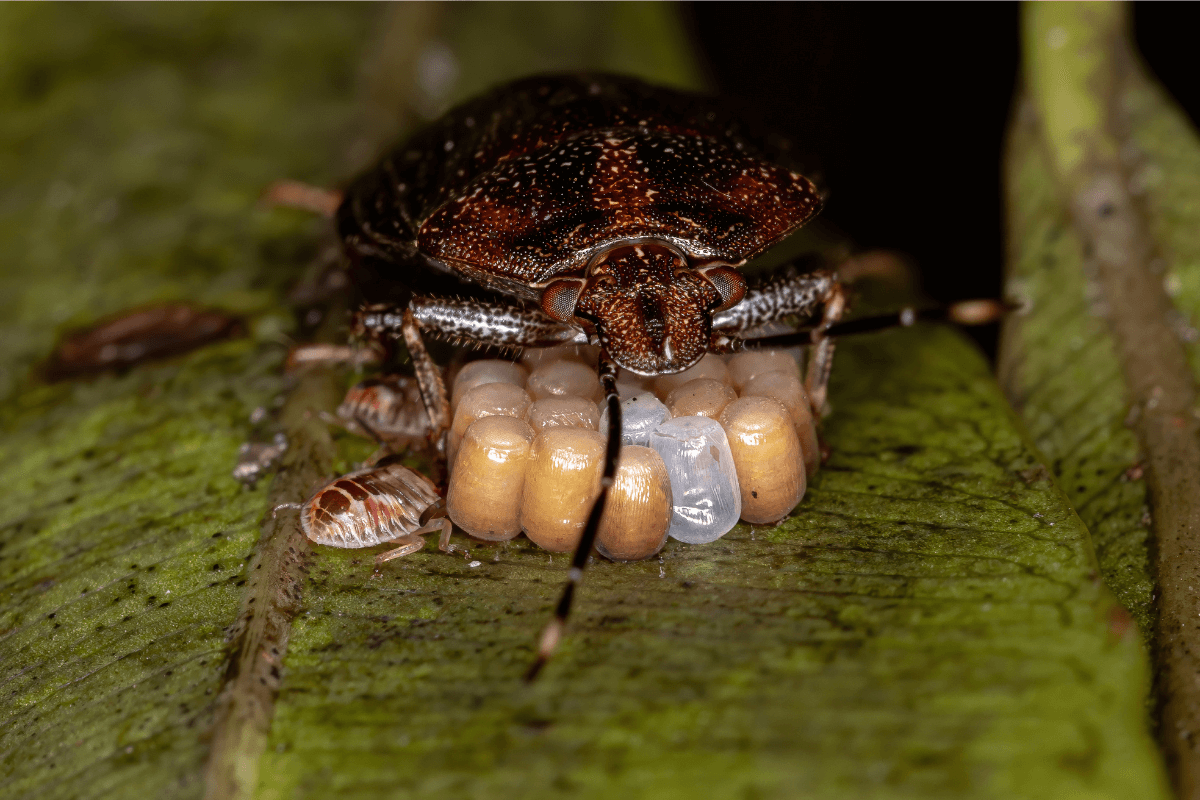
x: 617, y: 209
x: 582, y: 209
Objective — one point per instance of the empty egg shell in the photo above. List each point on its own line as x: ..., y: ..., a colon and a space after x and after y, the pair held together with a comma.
x: 744, y: 366
x: 788, y: 390
x: 560, y: 487
x: 479, y: 373
x: 706, y: 500
x: 711, y: 366
x: 564, y: 379
x: 766, y: 452
x: 703, y: 397
x: 638, y: 511
x: 562, y: 412
x: 640, y: 415
x: 488, y: 400
x: 488, y: 479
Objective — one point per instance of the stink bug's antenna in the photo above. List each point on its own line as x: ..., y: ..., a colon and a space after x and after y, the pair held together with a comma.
x: 553, y: 632
x: 964, y: 312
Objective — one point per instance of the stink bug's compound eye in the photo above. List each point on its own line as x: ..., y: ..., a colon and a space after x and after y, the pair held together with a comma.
x: 729, y: 283
x: 560, y: 297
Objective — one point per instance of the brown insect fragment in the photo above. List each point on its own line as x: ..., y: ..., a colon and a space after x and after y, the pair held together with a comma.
x: 138, y: 336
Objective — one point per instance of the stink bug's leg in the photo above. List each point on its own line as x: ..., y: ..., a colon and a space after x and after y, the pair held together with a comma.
x: 429, y: 380
x: 553, y: 632
x: 435, y: 519
x: 412, y: 542
x: 275, y: 511
x: 409, y: 544
x: 780, y: 296
x: 501, y: 325
x: 964, y: 312
x: 447, y: 527
x: 466, y: 322
x: 820, y: 355
x: 777, y: 297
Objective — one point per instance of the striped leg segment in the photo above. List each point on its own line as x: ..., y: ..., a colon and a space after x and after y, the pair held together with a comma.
x: 553, y: 632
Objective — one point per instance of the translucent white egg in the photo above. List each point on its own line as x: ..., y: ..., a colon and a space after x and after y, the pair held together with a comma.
x: 640, y: 415
x: 706, y: 498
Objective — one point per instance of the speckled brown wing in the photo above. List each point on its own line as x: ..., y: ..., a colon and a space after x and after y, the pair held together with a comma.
x: 384, y: 208
x: 545, y: 213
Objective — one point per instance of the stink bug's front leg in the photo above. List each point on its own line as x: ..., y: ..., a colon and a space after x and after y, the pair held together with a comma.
x: 781, y: 296
x: 429, y: 380
x: 820, y: 355
x: 505, y: 326
x: 381, y: 322
x: 460, y: 322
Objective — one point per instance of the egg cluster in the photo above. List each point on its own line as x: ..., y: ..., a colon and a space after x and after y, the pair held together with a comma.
x: 731, y: 438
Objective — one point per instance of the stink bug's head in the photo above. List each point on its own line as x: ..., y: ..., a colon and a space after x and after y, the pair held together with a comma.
x: 651, y: 312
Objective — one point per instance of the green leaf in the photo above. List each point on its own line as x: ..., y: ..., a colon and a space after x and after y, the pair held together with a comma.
x: 1059, y: 366
x: 1104, y: 204
x: 928, y: 624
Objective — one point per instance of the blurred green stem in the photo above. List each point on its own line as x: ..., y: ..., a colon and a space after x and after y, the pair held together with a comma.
x: 1078, y: 60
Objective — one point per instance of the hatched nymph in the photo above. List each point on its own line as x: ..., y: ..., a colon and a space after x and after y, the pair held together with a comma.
x: 386, y: 503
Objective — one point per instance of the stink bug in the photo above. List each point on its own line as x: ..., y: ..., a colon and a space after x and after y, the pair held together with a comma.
x: 585, y: 209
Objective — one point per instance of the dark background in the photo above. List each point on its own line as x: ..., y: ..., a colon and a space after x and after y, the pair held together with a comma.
x: 901, y: 94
